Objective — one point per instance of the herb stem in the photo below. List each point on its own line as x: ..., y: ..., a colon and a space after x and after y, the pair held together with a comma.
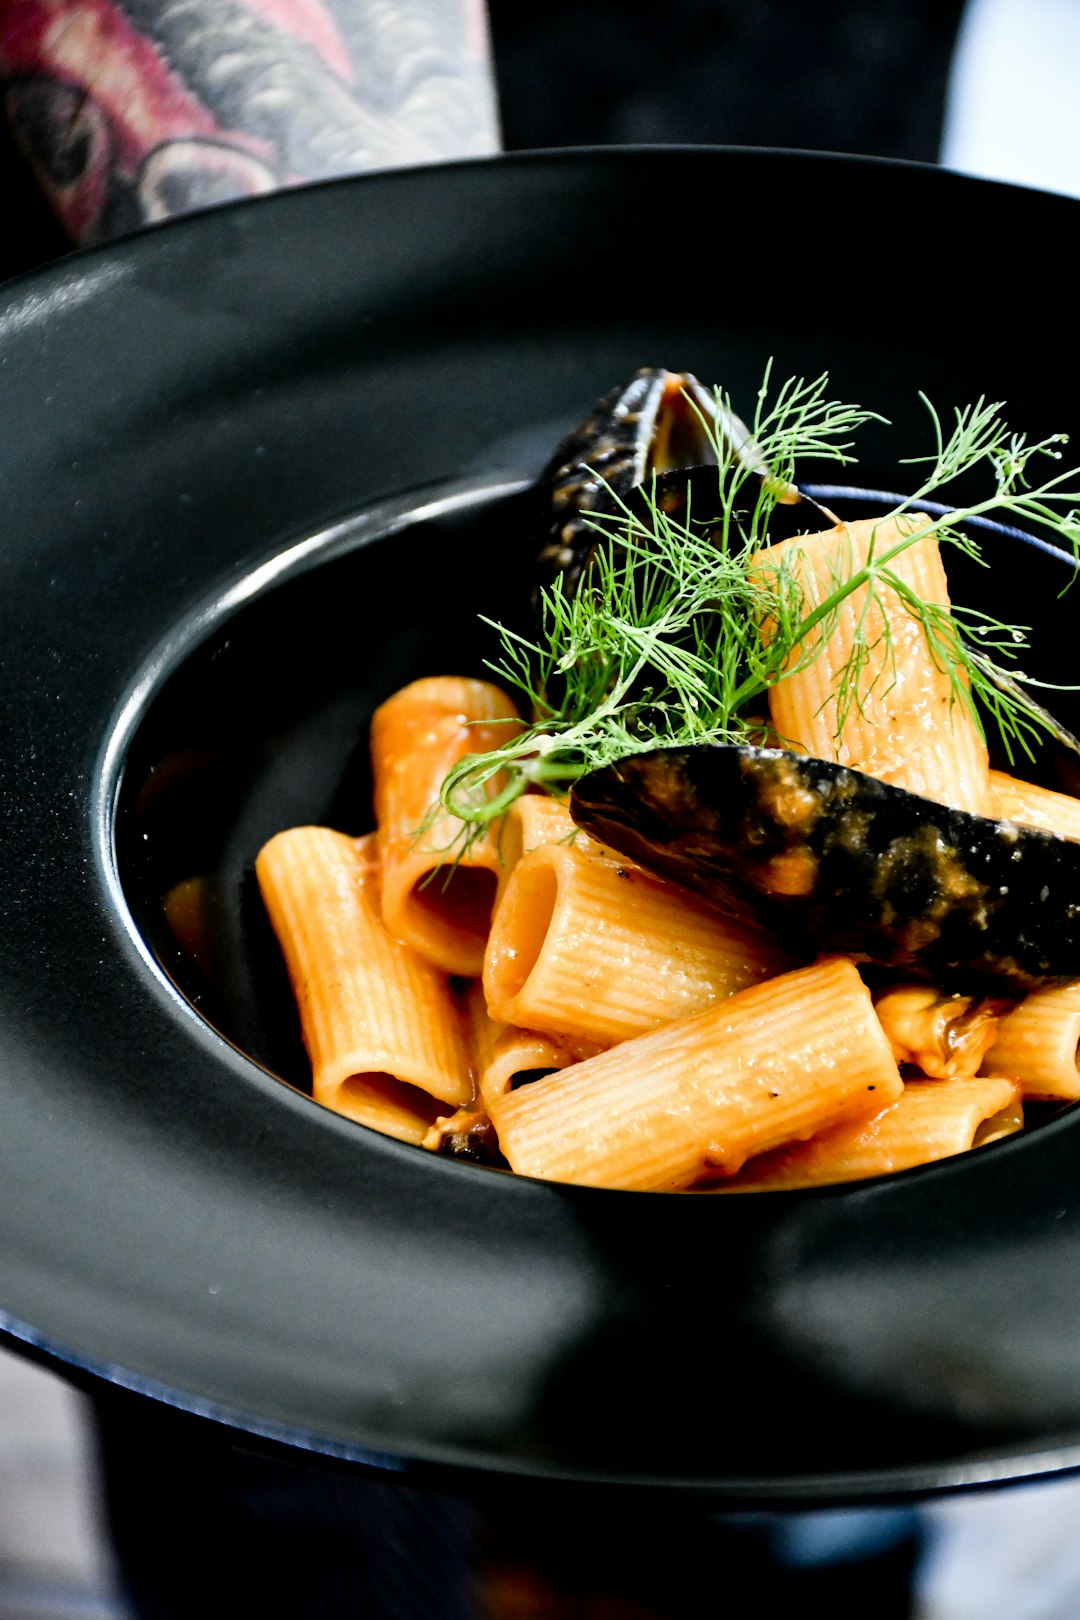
x: 662, y: 643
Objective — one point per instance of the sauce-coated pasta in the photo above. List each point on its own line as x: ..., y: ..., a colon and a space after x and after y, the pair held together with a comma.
x: 527, y: 996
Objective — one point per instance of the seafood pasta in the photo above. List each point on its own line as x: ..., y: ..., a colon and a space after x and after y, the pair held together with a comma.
x: 725, y: 895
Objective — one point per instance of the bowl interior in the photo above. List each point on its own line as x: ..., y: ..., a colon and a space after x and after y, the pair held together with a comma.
x: 263, y: 725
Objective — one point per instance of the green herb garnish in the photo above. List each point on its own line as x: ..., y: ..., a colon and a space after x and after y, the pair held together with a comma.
x: 661, y: 644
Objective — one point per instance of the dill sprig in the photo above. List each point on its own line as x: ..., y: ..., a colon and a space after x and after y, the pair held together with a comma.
x: 663, y: 645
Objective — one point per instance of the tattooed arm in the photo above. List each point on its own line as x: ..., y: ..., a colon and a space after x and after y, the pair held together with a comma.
x: 134, y: 110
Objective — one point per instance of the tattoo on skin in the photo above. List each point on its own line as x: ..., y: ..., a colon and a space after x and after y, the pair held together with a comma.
x: 136, y: 110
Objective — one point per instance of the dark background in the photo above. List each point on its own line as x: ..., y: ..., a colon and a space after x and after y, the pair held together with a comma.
x: 832, y: 75
x: 828, y: 75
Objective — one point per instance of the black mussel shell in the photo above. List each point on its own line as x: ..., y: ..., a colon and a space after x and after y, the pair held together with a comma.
x: 655, y: 423
x: 847, y: 863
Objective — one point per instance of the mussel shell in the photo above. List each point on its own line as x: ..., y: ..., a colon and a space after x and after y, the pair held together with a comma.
x: 598, y: 463
x: 611, y: 453
x: 847, y: 863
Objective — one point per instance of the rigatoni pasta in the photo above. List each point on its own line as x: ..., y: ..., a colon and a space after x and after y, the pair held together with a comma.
x: 381, y: 1027
x: 932, y: 1119
x: 617, y: 1029
x: 902, y: 722
x: 778, y: 1061
x: 505, y: 1056
x: 1038, y: 1045
x: 441, y: 909
x: 1035, y: 806
x: 590, y: 946
x: 531, y: 822
x: 625, y: 1033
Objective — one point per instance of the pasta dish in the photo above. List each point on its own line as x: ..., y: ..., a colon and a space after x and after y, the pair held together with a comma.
x: 714, y: 887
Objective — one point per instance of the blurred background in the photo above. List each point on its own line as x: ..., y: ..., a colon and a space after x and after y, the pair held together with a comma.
x: 988, y: 87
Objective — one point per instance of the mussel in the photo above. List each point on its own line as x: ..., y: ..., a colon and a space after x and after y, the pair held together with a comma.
x: 847, y: 863
x: 662, y: 423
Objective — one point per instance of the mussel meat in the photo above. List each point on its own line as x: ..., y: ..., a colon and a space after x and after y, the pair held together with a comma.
x: 660, y: 422
x: 847, y: 863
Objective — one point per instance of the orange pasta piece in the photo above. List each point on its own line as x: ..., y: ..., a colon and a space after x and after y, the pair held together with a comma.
x: 381, y: 1027
x: 1006, y: 1122
x: 531, y: 821
x: 481, y: 1032
x: 903, y: 726
x: 946, y: 1036
x: 1036, y: 806
x: 777, y: 1062
x: 501, y: 1058
x: 502, y: 1054
x: 589, y: 946
x: 934, y: 1119
x: 520, y: 1055
x: 441, y: 909
x: 1038, y: 1044
x: 189, y: 908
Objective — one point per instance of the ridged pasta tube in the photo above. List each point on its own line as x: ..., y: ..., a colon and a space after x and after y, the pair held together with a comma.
x: 903, y: 726
x: 439, y: 906
x: 934, y: 1119
x: 1036, y: 806
x: 502, y: 1053
x: 531, y: 821
x: 588, y: 945
x: 774, y: 1063
x: 1038, y: 1045
x: 381, y: 1027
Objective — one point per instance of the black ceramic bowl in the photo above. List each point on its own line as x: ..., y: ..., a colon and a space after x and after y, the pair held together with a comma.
x: 261, y: 467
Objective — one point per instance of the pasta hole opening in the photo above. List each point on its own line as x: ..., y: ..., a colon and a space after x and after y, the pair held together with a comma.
x: 528, y: 1077
x: 456, y: 907
x: 995, y: 1127
x: 524, y: 917
x: 386, y: 1104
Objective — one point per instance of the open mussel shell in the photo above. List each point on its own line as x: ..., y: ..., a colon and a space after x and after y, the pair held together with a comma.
x: 847, y: 863
x: 656, y: 424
